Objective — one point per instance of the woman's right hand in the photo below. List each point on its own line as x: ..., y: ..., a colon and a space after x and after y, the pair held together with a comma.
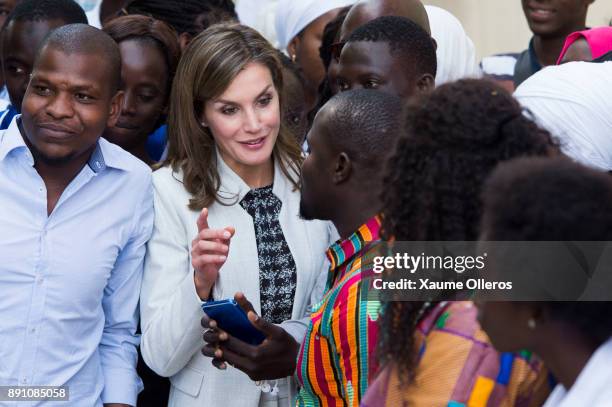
x: 209, y: 252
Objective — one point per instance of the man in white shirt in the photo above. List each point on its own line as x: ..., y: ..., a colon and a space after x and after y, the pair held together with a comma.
x: 76, y: 215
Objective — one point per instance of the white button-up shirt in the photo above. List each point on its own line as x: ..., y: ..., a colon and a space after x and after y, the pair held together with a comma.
x: 70, y: 281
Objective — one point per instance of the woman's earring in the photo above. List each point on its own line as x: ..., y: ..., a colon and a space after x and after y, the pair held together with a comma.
x: 531, y: 323
x: 203, y: 124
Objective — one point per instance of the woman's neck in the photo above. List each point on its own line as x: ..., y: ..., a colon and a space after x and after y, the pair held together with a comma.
x: 565, y: 354
x: 257, y: 176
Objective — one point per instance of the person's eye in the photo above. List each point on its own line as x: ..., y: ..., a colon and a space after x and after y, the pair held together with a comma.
x: 16, y: 70
x: 264, y: 101
x: 41, y: 90
x: 343, y: 86
x: 229, y: 110
x: 146, y: 98
x: 371, y: 84
x: 83, y: 97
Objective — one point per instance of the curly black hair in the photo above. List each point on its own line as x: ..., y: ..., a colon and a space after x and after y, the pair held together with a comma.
x: 554, y: 199
x: 186, y: 16
x: 454, y: 138
x: 406, y: 40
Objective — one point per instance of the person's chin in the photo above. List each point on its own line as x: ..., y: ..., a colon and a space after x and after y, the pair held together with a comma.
x: 54, y: 159
x: 305, y: 212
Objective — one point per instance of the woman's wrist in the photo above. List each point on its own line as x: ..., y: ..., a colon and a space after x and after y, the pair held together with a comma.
x: 203, y: 287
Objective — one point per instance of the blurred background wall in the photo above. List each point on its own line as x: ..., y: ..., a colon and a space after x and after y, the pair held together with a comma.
x: 499, y: 25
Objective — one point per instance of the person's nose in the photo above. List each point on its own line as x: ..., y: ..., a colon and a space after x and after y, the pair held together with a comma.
x: 252, y: 121
x: 60, y: 106
x: 129, y: 104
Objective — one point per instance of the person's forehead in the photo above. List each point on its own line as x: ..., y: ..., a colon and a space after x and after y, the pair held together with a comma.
x: 358, y: 16
x: 143, y: 56
x: 366, y: 55
x: 73, y: 69
x: 254, y: 79
x: 24, y: 37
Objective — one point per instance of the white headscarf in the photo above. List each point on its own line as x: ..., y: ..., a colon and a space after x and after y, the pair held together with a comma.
x: 259, y: 14
x: 574, y: 102
x: 292, y: 16
x: 456, y: 52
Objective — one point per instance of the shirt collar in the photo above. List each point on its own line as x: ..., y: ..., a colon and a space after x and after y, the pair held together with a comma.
x: 343, y: 250
x: 535, y: 62
x: 11, y: 139
x: 233, y: 188
x: 103, y: 156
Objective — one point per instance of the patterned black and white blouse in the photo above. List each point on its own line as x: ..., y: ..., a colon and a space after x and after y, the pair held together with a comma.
x: 277, y: 269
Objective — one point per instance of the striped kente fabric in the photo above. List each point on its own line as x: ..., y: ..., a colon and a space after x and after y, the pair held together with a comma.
x: 458, y: 367
x: 334, y: 365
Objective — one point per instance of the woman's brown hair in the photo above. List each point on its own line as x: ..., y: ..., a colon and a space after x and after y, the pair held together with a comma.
x: 208, y: 66
x: 148, y: 29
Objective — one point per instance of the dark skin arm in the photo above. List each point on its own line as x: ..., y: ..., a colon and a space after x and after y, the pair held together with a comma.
x: 274, y: 358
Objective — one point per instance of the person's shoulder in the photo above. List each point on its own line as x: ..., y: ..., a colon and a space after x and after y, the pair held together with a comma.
x: 116, y: 157
x: 458, y: 318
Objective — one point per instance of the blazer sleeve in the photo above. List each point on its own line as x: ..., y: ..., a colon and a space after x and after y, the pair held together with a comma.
x: 297, y: 327
x: 170, y: 307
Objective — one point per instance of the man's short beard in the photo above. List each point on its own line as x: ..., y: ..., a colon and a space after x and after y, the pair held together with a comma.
x: 50, y: 161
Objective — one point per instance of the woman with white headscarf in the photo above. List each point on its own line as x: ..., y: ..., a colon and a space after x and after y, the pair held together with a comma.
x: 299, y: 27
x: 572, y: 101
x: 456, y: 52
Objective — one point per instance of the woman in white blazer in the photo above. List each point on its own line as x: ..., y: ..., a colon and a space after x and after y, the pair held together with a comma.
x: 227, y: 217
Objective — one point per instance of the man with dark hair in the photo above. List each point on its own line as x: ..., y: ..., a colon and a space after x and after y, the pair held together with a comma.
x: 77, y: 213
x: 391, y: 54
x: 551, y: 21
x: 341, y: 182
x: 24, y: 30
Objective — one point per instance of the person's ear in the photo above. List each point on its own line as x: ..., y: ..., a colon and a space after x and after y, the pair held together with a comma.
x: 115, y: 108
x: 184, y: 40
x: 435, y: 43
x: 426, y: 83
x: 343, y: 169
x: 293, y: 47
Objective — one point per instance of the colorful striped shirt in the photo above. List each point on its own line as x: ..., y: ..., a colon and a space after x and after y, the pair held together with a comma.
x: 458, y: 367
x: 334, y: 366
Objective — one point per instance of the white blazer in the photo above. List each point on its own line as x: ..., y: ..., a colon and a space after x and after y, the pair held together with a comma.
x: 593, y: 387
x: 171, y: 309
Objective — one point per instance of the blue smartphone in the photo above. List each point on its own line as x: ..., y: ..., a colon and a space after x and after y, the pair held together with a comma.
x: 233, y: 320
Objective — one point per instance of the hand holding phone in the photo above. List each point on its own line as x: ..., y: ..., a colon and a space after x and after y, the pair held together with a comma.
x: 233, y: 320
x: 274, y: 358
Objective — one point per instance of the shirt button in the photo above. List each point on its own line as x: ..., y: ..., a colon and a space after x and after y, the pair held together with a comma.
x: 32, y: 330
x: 24, y: 381
x: 40, y: 280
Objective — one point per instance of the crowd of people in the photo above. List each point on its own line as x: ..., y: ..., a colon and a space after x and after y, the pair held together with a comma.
x: 157, y: 156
